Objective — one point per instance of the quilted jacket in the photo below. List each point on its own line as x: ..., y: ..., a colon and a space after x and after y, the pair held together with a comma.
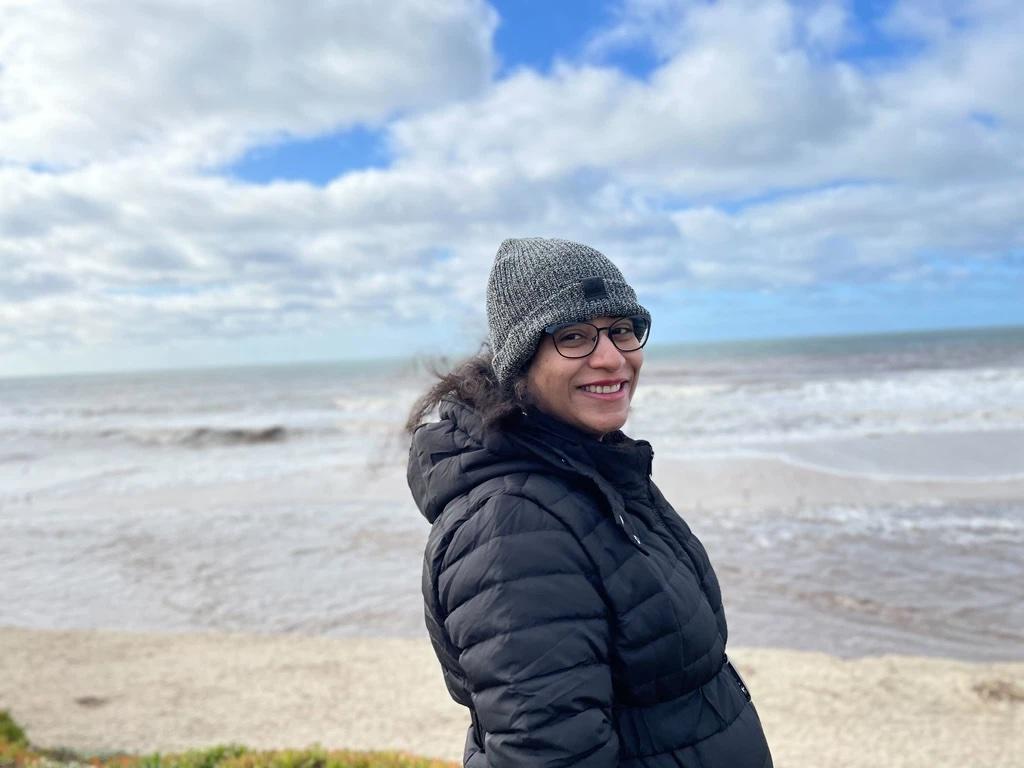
x: 571, y: 608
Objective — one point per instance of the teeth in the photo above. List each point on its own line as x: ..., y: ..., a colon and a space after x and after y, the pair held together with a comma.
x: 604, y: 390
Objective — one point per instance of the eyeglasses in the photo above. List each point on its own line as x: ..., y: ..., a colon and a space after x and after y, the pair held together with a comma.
x: 574, y: 340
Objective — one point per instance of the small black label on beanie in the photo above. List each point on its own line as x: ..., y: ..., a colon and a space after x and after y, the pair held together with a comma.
x: 594, y: 288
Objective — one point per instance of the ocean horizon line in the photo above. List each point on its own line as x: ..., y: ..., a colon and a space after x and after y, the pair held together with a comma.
x: 421, y: 358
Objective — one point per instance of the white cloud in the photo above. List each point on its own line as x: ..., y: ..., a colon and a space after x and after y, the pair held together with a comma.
x: 857, y: 234
x: 191, y: 81
x: 744, y: 106
x: 858, y: 174
x: 828, y: 26
x: 654, y: 25
x: 739, y: 104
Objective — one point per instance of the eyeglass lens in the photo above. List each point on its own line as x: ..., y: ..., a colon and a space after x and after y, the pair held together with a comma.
x: 580, y: 339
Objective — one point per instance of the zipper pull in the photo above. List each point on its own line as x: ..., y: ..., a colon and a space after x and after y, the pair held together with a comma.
x: 628, y: 530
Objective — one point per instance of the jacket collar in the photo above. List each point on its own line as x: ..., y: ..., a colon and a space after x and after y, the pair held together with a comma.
x: 449, y: 457
x: 619, y: 459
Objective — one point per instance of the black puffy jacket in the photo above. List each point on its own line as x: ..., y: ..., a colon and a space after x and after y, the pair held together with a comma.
x: 571, y: 608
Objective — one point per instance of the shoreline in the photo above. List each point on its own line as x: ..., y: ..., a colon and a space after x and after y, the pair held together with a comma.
x: 101, y: 691
x: 764, y: 477
x: 774, y: 483
x: 196, y: 558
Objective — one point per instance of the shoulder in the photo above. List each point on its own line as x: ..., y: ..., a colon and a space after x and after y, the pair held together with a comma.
x: 532, y: 514
x: 548, y: 490
x: 514, y: 548
x: 523, y: 502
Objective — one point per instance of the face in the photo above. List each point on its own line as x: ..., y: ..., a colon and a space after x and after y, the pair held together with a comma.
x: 565, y: 388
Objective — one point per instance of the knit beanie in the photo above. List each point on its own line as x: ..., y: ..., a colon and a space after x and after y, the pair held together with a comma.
x: 536, y: 282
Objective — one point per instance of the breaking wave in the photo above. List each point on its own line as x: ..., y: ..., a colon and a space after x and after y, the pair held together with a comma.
x: 201, y: 437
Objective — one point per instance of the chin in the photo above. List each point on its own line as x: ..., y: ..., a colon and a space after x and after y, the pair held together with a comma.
x: 604, y: 425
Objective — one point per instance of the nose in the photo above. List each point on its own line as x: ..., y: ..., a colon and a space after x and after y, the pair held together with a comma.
x: 606, y: 355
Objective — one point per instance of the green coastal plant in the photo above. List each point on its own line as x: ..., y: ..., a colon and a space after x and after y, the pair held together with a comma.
x: 17, y: 752
x: 9, y: 730
x: 197, y: 758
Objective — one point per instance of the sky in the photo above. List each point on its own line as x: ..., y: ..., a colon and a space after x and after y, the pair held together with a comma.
x: 190, y: 183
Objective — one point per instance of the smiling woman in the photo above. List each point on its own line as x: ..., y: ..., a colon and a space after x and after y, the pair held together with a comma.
x: 572, y: 610
x: 586, y: 380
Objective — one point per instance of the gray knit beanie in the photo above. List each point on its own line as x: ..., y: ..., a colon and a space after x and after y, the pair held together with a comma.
x: 536, y: 282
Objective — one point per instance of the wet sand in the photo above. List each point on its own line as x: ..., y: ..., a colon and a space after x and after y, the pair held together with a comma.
x: 103, y: 691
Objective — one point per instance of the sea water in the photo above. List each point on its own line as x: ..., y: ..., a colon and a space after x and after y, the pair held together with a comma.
x: 270, y: 499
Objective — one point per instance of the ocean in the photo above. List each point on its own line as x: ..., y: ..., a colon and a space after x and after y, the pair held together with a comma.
x: 272, y: 499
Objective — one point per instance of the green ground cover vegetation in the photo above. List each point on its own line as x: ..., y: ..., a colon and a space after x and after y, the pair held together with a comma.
x: 17, y: 752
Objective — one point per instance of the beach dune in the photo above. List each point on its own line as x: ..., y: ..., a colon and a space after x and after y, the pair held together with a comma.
x: 104, y: 691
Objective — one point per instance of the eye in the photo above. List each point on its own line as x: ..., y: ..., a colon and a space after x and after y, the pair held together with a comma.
x: 622, y: 329
x: 640, y: 327
x: 573, y: 336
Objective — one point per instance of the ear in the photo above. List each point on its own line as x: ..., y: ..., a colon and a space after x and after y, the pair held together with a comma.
x: 521, y: 387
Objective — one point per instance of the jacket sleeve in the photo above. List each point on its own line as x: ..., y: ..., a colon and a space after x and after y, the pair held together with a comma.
x: 532, y: 631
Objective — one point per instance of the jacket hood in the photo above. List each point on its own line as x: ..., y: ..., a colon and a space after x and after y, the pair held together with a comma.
x: 448, y: 458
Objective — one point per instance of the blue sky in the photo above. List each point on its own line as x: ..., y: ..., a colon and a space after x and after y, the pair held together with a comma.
x: 249, y: 183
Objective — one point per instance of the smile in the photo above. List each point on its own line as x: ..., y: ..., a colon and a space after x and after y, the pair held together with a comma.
x: 604, y: 389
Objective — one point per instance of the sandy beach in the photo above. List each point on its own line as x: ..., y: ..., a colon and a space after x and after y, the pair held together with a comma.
x: 101, y: 691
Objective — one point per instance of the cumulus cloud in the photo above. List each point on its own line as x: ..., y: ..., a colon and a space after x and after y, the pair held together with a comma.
x: 192, y: 81
x: 756, y: 155
x: 854, y: 234
x: 745, y: 105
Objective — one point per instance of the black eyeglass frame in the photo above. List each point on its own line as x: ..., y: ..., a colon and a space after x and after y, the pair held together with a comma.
x: 550, y: 330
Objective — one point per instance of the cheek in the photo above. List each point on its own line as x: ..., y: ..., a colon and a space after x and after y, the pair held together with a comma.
x: 637, y: 365
x: 556, y: 389
x: 548, y: 379
x: 539, y: 386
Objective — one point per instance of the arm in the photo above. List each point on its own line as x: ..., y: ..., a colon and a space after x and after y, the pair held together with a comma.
x: 533, y: 637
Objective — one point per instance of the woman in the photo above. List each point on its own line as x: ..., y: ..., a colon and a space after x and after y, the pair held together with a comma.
x: 572, y: 610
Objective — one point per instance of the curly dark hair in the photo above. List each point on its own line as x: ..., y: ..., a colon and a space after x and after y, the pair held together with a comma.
x: 474, y: 382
